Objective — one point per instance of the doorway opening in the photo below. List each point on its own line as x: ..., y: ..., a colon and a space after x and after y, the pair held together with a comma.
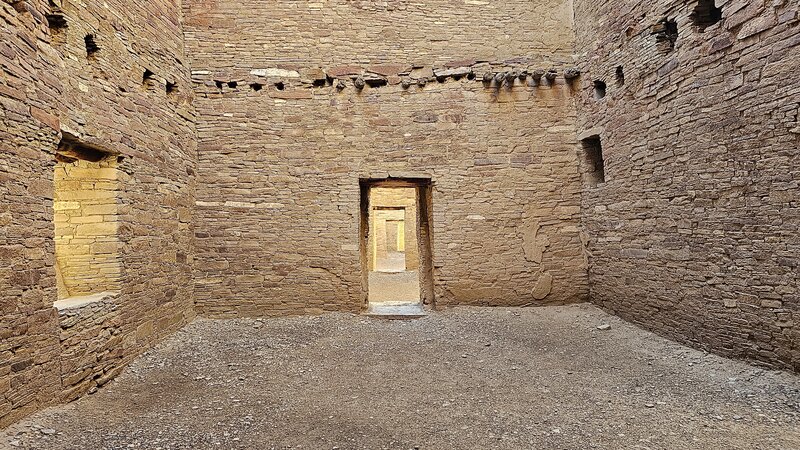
x: 396, y: 256
x: 86, y: 223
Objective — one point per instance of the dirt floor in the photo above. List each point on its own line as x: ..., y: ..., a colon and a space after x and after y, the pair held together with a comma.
x: 460, y: 379
x: 394, y: 287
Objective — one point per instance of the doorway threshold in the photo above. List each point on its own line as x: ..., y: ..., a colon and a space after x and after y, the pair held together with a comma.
x: 396, y: 310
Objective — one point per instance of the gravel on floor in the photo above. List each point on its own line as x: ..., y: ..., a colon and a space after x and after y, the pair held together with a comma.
x: 568, y: 377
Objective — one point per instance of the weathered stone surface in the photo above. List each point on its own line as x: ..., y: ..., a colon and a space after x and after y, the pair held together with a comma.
x: 693, y: 233
x: 544, y: 286
x: 274, y: 72
x: 506, y: 155
x: 453, y: 72
x: 534, y: 244
x: 388, y: 70
x: 49, y: 83
x: 341, y: 71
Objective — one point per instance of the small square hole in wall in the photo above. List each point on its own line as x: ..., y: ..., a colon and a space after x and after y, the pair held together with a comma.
x: 705, y: 14
x: 91, y: 45
x: 620, y: 76
x: 57, y: 23
x: 599, y: 89
x: 172, y: 88
x: 147, y: 77
x: 666, y: 33
x: 594, y: 172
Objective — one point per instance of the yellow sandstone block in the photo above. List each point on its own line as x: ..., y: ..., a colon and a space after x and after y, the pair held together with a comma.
x: 94, y: 229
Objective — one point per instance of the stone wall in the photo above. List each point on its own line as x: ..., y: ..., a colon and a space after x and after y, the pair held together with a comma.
x: 111, y: 76
x: 299, y: 101
x: 129, y: 95
x: 86, y: 227
x: 91, y: 354
x: 234, y: 37
x: 29, y: 344
x: 694, y: 232
x: 690, y: 218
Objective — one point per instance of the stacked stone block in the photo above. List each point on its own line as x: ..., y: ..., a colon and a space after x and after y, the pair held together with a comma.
x: 91, y: 354
x: 694, y: 232
x: 80, y: 70
x: 29, y: 344
x: 286, y: 134
x: 86, y: 227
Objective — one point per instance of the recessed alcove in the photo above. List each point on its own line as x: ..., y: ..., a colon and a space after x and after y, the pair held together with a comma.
x: 666, y: 33
x: 92, y: 48
x: 148, y: 78
x: 599, y: 89
x: 594, y: 171
x: 705, y: 14
x: 619, y: 74
x: 57, y: 24
x: 86, y: 221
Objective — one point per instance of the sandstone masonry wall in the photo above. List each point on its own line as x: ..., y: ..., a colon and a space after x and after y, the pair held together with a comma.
x: 237, y: 36
x: 113, y: 76
x: 86, y: 227
x: 132, y: 97
x: 252, y: 204
x: 286, y: 132
x: 91, y: 353
x: 694, y: 233
x: 29, y: 344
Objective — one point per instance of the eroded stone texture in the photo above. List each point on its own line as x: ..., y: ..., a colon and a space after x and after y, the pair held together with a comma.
x: 286, y: 160
x: 91, y: 354
x: 29, y: 344
x: 80, y: 68
x: 694, y: 233
x: 343, y: 35
x: 690, y: 223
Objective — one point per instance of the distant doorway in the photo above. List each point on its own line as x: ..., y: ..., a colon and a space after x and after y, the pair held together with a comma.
x: 389, y: 239
x: 396, y: 247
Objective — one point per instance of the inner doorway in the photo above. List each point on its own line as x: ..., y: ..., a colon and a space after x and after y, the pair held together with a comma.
x: 396, y: 247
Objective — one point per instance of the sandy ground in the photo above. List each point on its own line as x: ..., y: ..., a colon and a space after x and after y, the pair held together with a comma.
x: 393, y: 262
x: 544, y: 378
x: 394, y: 287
